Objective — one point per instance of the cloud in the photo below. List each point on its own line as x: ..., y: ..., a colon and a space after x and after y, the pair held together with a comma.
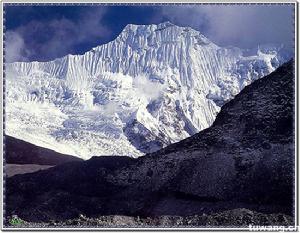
x: 15, y: 47
x: 147, y: 88
x: 54, y: 36
x: 237, y: 25
x: 110, y: 108
x: 58, y: 37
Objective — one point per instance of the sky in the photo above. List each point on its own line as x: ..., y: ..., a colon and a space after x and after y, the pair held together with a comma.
x: 46, y: 32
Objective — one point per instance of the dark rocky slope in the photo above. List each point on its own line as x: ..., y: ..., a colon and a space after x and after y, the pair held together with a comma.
x: 20, y: 152
x: 244, y: 160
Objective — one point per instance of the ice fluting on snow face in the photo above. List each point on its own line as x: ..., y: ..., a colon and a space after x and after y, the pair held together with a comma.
x: 151, y: 86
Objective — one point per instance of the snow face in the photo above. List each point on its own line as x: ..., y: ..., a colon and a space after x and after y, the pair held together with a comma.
x: 151, y: 86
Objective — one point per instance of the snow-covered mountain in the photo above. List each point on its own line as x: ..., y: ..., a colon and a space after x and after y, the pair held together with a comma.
x: 151, y: 86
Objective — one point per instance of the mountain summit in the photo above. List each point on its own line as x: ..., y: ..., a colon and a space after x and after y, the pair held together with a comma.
x: 152, y: 86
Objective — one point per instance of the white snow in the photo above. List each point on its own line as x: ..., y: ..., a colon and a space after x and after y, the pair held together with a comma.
x: 171, y: 80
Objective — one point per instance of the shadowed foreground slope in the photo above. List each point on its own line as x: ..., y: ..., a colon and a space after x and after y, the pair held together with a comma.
x: 244, y: 160
x: 23, y: 157
x: 20, y: 152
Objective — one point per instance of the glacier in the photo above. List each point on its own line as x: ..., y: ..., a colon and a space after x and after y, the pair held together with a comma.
x: 151, y: 86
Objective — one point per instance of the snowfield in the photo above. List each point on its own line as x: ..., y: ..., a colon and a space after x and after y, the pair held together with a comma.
x: 151, y: 86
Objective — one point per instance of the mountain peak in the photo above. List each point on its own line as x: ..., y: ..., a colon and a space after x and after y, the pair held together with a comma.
x: 138, y: 36
x: 148, y: 27
x: 180, y: 78
x: 166, y: 24
x: 159, y: 25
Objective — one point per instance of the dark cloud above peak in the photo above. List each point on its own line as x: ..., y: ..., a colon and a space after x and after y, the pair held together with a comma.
x: 57, y: 37
x: 240, y: 25
x: 46, y: 32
